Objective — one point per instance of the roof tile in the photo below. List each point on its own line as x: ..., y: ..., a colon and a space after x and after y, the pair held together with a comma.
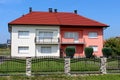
x: 59, y: 18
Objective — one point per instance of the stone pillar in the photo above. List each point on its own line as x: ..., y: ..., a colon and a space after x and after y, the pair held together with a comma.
x: 103, y: 65
x: 67, y: 66
x: 28, y: 66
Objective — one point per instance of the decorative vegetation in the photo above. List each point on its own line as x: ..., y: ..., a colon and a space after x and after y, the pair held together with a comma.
x: 70, y: 51
x: 88, y: 52
x: 107, y: 52
x: 114, y: 44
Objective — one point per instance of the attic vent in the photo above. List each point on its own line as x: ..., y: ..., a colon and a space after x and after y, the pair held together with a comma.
x: 50, y: 10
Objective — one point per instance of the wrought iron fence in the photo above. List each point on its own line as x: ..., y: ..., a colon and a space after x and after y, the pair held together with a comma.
x: 12, y: 66
x: 53, y: 65
x: 47, y: 65
x: 113, y: 65
x: 85, y: 65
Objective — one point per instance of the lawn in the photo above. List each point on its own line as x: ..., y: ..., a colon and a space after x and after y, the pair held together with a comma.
x: 5, y: 51
x: 53, y: 65
x: 64, y: 77
x: 40, y: 65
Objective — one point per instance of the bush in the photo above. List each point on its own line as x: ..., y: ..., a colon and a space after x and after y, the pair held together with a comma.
x: 3, y: 46
x: 70, y: 51
x: 107, y: 52
x: 88, y: 52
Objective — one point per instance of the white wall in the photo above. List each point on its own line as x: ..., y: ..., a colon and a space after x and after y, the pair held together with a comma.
x: 30, y: 42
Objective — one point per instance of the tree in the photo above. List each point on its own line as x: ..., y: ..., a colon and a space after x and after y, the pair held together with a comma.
x: 88, y: 52
x: 114, y: 44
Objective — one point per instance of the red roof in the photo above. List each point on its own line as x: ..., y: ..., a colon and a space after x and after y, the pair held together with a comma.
x: 52, y: 18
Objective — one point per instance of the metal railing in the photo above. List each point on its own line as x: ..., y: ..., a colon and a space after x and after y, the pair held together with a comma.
x: 46, y: 40
x: 55, y: 65
x: 72, y: 41
x: 113, y: 65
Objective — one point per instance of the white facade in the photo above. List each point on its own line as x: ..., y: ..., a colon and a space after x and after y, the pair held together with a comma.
x: 33, y: 41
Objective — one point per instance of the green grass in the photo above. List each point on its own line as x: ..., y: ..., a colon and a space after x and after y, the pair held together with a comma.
x: 5, y: 51
x: 85, y: 65
x: 52, y: 65
x: 13, y: 66
x: 64, y: 77
x: 47, y: 65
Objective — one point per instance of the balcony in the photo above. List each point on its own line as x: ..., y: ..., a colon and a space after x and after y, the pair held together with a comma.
x: 72, y: 41
x: 46, y: 40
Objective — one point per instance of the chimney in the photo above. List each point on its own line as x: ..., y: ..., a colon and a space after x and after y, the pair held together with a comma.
x: 50, y: 9
x: 75, y: 11
x: 55, y: 10
x: 30, y: 9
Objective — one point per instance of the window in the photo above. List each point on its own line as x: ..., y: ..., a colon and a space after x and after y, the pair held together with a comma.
x: 95, y: 48
x: 46, y: 34
x: 46, y: 49
x: 92, y: 35
x: 23, y: 34
x: 23, y: 49
x: 70, y: 34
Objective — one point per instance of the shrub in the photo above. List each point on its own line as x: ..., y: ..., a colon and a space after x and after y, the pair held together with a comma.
x: 107, y: 52
x: 88, y: 52
x: 70, y: 51
x: 3, y: 46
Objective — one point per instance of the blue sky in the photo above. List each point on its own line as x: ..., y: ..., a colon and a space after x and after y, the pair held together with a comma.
x: 105, y: 11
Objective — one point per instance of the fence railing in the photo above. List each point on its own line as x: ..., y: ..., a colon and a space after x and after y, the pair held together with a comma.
x: 85, y: 65
x: 52, y: 65
x: 47, y: 65
x: 46, y: 40
x: 12, y: 66
x: 113, y: 65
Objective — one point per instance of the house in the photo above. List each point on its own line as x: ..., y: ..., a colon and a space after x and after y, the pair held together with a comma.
x: 49, y: 33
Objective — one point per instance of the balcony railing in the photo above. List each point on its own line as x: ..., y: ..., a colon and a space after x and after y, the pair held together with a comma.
x: 46, y: 40
x: 72, y: 41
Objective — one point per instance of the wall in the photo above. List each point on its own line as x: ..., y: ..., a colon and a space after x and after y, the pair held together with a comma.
x: 83, y: 37
x: 15, y: 41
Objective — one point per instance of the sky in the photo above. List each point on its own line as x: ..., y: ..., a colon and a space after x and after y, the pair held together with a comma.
x: 105, y: 11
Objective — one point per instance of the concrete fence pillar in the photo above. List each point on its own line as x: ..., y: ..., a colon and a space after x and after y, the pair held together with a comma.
x: 67, y: 66
x: 103, y: 65
x: 28, y: 66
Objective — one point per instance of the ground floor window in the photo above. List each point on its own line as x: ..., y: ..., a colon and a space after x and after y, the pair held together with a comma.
x: 23, y: 49
x: 46, y: 49
x: 95, y: 48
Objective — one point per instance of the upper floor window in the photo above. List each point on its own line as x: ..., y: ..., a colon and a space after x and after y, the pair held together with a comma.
x: 93, y: 35
x: 23, y: 49
x: 46, y: 34
x: 23, y: 34
x: 70, y: 34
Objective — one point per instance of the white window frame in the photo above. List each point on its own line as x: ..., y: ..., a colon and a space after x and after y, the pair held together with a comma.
x: 23, y: 49
x: 45, y: 51
x: 93, y: 35
x: 70, y: 34
x: 95, y: 48
x: 23, y: 34
x: 45, y: 34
